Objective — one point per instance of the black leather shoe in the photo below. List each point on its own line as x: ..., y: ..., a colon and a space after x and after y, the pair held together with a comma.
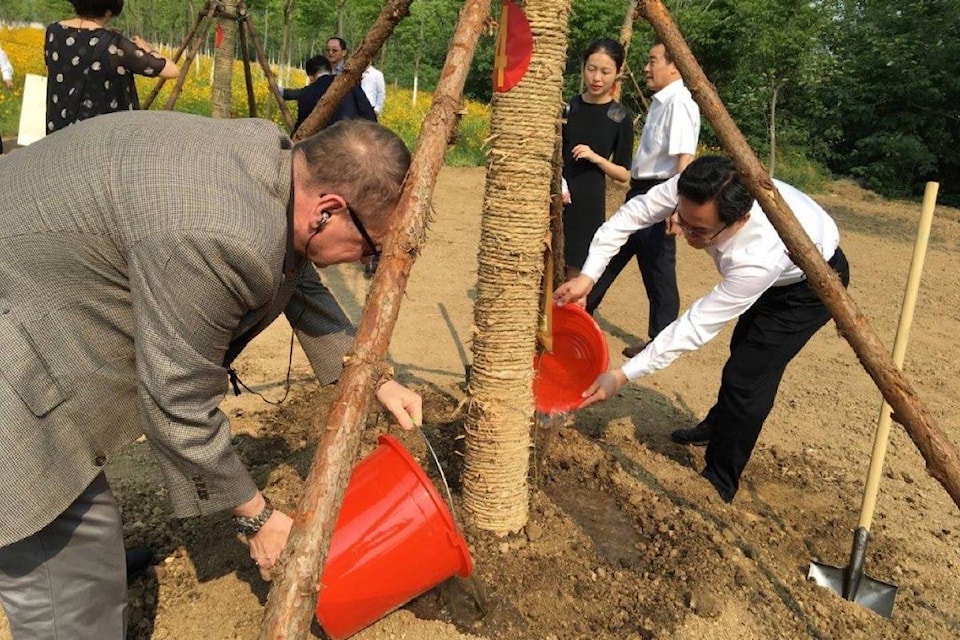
x: 138, y: 559
x: 698, y: 436
x: 634, y: 349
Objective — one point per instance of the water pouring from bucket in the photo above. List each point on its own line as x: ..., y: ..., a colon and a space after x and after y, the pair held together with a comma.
x: 577, y: 355
x: 394, y: 539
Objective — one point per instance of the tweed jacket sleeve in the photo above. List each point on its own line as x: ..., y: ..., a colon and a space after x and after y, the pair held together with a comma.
x: 189, y: 291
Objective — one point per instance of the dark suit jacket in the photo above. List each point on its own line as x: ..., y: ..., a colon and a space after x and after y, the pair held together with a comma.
x: 354, y: 105
x: 135, y: 248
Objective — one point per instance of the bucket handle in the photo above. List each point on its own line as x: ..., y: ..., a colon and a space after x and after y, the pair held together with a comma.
x: 443, y: 477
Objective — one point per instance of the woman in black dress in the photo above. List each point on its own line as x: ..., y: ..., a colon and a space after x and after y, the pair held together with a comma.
x: 90, y: 68
x: 597, y: 129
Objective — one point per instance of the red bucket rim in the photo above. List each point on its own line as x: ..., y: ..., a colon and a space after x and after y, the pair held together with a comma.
x: 551, y: 406
x: 466, y: 565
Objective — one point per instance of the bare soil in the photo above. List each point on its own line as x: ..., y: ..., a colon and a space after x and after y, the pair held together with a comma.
x: 625, y: 539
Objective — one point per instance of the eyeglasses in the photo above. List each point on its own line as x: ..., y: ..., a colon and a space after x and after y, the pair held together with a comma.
x: 371, y: 251
x: 330, y: 50
x: 695, y: 232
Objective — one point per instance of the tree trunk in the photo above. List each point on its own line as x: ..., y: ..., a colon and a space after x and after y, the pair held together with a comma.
x: 393, y: 11
x: 223, y: 62
x: 626, y: 35
x: 341, y: 10
x: 942, y: 458
x: 285, y: 45
x: 293, y: 593
x: 773, y: 126
x: 515, y: 220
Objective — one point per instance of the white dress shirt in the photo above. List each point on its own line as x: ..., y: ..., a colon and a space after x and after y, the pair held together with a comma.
x: 6, y: 69
x: 672, y: 128
x: 375, y: 87
x: 750, y: 262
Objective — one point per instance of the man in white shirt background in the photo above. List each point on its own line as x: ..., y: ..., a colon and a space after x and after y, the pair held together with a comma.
x: 778, y: 312
x: 667, y: 145
x: 374, y: 85
x: 6, y: 69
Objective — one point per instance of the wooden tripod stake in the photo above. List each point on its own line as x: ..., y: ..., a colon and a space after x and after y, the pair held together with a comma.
x: 195, y: 39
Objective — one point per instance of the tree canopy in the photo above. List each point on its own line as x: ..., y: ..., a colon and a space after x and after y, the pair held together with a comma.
x: 866, y: 88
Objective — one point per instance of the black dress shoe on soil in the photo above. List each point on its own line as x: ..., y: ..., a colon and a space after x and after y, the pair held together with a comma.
x: 634, y: 349
x: 138, y: 559
x: 698, y: 436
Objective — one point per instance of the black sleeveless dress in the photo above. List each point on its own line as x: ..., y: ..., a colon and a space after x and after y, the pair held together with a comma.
x: 608, y: 130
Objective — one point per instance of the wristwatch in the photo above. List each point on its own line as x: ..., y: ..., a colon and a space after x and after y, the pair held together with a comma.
x: 250, y: 525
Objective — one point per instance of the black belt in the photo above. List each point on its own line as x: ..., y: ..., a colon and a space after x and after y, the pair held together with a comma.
x: 642, y: 185
x: 834, y: 263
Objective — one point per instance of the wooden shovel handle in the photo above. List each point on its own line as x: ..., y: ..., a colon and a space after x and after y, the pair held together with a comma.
x: 882, y: 434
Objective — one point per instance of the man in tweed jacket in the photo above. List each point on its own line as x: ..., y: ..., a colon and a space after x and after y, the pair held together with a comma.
x: 139, y: 252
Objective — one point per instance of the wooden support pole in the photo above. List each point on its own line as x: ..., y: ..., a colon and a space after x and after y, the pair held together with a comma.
x: 942, y: 458
x: 201, y: 17
x: 247, y: 75
x: 191, y: 55
x: 292, y: 599
x: 393, y: 11
x: 267, y: 71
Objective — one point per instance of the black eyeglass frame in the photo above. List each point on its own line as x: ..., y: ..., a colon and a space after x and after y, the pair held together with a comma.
x: 688, y: 230
x: 374, y: 252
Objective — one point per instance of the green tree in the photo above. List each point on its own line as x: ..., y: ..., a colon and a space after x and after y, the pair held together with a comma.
x: 894, y: 102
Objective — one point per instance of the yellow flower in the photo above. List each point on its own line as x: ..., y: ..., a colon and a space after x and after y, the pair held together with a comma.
x: 401, y: 113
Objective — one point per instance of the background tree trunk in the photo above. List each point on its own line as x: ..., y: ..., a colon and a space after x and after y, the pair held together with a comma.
x: 341, y: 10
x: 774, y: 95
x: 222, y: 96
x: 516, y: 211
x: 626, y: 35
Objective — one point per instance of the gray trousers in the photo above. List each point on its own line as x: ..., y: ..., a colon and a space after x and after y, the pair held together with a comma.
x: 68, y: 580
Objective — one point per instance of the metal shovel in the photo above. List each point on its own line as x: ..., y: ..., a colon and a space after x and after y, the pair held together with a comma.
x: 851, y: 582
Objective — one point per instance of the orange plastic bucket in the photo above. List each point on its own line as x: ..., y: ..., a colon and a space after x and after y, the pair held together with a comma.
x: 393, y: 540
x: 579, y: 356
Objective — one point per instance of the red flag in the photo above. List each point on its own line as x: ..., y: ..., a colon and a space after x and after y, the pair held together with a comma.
x: 218, y: 36
x: 514, y: 48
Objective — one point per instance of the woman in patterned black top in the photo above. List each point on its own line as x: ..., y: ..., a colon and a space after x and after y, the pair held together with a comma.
x: 597, y: 129
x: 90, y: 68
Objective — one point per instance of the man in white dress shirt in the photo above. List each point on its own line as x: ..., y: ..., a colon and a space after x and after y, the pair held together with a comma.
x: 667, y: 145
x: 374, y: 85
x: 778, y: 312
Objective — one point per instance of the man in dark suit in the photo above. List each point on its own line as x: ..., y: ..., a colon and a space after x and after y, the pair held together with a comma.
x: 353, y: 105
x: 139, y: 253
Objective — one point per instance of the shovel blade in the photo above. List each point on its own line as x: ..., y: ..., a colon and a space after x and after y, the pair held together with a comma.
x: 873, y: 594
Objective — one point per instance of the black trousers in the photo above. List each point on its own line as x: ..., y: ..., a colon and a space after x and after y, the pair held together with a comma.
x: 656, y: 254
x: 767, y: 337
